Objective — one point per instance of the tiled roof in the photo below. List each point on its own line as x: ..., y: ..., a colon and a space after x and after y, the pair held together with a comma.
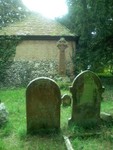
x: 36, y: 25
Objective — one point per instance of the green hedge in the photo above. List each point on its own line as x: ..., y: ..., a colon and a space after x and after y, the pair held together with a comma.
x: 106, y: 79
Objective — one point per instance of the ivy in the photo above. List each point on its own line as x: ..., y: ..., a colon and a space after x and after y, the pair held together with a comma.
x: 7, y: 52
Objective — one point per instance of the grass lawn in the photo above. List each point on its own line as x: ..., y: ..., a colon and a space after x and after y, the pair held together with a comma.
x: 13, y: 135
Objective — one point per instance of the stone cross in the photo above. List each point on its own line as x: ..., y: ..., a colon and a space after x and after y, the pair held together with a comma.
x: 43, y: 100
x: 62, y: 45
x: 87, y: 96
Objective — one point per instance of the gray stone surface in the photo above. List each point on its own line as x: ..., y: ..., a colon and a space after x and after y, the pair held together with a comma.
x: 22, y: 72
x: 3, y: 114
x: 62, y: 45
x: 106, y: 117
x: 43, y: 100
x: 87, y: 96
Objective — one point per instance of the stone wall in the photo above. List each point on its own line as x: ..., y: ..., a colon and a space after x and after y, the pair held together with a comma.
x: 36, y: 59
x: 22, y: 72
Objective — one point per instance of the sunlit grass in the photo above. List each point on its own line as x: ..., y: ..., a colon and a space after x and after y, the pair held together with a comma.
x: 14, y: 132
x: 13, y: 135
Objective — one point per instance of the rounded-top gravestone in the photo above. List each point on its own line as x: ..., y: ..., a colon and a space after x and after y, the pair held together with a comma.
x: 43, y: 100
x: 87, y: 96
x: 66, y: 100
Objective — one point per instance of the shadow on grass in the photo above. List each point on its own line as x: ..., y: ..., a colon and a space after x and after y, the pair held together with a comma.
x: 85, y: 132
x: 44, y: 141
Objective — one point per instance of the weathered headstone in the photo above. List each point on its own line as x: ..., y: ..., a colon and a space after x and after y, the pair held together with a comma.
x: 43, y: 99
x: 66, y: 100
x: 87, y: 95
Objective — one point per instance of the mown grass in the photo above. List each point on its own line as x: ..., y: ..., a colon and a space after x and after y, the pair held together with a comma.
x: 13, y: 135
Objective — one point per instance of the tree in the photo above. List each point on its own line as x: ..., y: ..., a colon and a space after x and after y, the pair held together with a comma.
x: 102, y: 42
x: 11, y: 11
x: 93, y: 22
